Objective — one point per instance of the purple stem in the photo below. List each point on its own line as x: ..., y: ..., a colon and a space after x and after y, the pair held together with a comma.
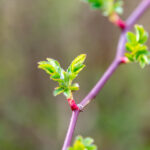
x: 142, y: 7
x: 114, y: 65
x: 120, y: 52
x: 71, y: 128
x: 92, y: 94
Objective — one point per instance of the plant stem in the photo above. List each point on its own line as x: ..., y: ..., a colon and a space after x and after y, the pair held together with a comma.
x: 114, y: 65
x: 72, y: 104
x: 119, y: 54
x: 92, y: 94
x: 115, y: 19
x: 71, y: 128
x: 142, y: 7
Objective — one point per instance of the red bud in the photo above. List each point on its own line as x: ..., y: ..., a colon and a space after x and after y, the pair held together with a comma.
x: 73, y: 104
x: 121, y: 23
x: 124, y: 60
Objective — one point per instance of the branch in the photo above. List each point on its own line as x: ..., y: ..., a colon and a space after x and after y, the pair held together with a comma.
x: 71, y: 128
x: 143, y: 6
x: 119, y: 54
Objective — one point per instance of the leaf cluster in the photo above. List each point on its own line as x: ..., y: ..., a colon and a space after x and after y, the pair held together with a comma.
x: 64, y: 78
x: 137, y: 50
x: 107, y: 6
x: 83, y: 144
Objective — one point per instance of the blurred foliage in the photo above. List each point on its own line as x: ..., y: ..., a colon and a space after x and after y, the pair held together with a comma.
x: 107, y: 6
x: 83, y: 144
x: 137, y: 50
x: 31, y: 118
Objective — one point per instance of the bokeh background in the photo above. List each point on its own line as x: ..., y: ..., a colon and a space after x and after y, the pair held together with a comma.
x: 31, y: 118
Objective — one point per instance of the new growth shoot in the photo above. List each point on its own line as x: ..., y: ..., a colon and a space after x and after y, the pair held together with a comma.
x: 137, y: 50
x: 110, y: 8
x: 64, y: 78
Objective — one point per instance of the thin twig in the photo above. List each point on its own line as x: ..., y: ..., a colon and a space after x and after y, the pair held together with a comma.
x: 71, y: 128
x: 143, y: 6
x: 120, y: 52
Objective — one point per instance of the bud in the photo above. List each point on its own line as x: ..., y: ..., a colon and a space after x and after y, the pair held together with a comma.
x: 73, y: 104
x: 114, y: 18
x: 124, y: 60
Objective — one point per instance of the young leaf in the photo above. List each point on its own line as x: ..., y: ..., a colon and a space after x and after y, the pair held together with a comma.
x: 107, y: 6
x: 83, y: 144
x: 64, y: 78
x: 58, y: 91
x: 55, y: 76
x: 79, y: 59
x: 47, y: 67
x: 77, y: 64
x: 137, y: 50
x: 118, y: 7
x: 74, y: 87
x: 97, y: 4
x: 50, y: 66
x: 67, y: 93
x: 88, y: 141
x: 77, y: 68
x: 141, y: 34
x: 131, y: 38
x: 129, y: 47
x: 53, y: 62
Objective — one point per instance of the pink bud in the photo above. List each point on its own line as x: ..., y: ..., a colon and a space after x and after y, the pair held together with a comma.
x: 121, y: 23
x: 124, y: 60
x: 73, y: 105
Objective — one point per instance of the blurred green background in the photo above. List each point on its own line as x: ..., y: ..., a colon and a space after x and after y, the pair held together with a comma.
x: 31, y: 118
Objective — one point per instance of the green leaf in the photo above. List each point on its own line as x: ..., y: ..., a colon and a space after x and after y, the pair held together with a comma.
x: 72, y: 76
x: 119, y: 10
x: 77, y: 68
x: 58, y: 91
x: 77, y: 64
x: 55, y: 77
x: 47, y: 67
x: 74, y: 87
x: 53, y: 62
x: 78, y: 145
x: 79, y: 59
x: 118, y: 7
x: 83, y: 144
x: 129, y: 47
x: 131, y: 38
x: 141, y: 53
x: 141, y: 47
x: 141, y: 35
x: 95, y: 3
x: 67, y: 93
x: 88, y: 141
x: 142, y: 64
x: 50, y: 66
x: 137, y: 50
x: 107, y: 7
x: 64, y: 78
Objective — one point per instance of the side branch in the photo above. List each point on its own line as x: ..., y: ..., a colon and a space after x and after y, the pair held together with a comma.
x: 71, y: 128
x: 143, y: 6
x: 93, y: 93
